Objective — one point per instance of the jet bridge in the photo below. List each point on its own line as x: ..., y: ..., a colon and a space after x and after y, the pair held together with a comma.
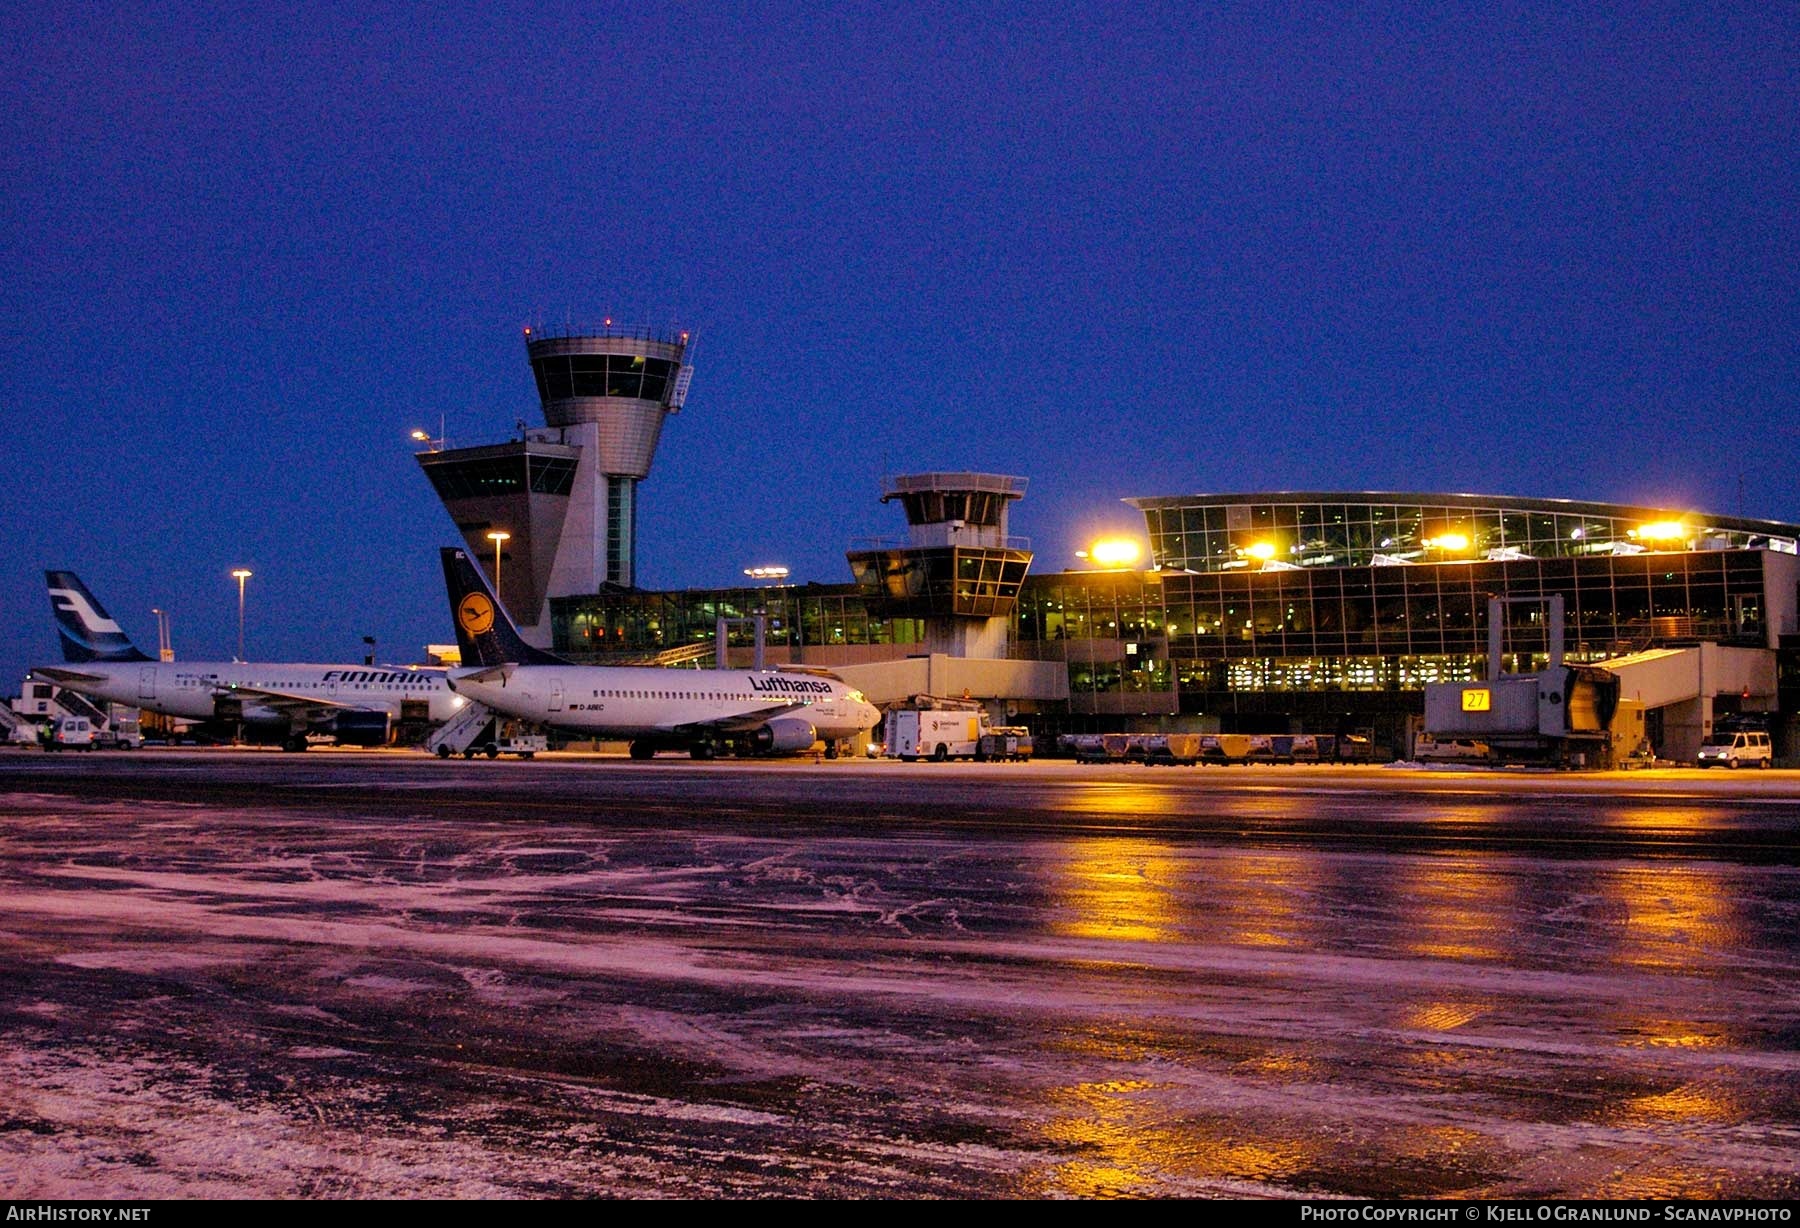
x: 1564, y: 711
x: 1684, y: 683
x: 1561, y: 715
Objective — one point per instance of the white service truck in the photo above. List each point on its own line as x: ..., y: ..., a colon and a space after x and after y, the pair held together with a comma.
x: 934, y: 733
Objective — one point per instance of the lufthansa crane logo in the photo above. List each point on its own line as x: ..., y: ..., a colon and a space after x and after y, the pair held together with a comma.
x: 476, y: 614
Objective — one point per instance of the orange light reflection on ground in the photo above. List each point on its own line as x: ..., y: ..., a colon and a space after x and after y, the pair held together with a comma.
x: 1457, y: 903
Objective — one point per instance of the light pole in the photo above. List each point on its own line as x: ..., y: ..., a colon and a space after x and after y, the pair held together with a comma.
x: 240, y: 575
x: 164, y: 650
x: 497, y: 537
x: 424, y: 437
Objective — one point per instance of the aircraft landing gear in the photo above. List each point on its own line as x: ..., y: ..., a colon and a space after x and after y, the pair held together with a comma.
x: 294, y: 742
x: 831, y: 751
x: 702, y: 750
x: 642, y: 750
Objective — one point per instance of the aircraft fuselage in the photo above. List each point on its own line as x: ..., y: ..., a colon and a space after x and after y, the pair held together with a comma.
x: 192, y: 690
x: 635, y: 702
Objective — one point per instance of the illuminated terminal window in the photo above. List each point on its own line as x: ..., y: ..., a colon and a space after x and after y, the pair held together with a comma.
x: 1248, y: 532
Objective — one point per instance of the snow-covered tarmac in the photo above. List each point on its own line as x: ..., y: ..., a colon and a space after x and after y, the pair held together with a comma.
x: 248, y: 974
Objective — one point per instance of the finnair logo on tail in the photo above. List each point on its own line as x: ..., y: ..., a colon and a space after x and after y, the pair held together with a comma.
x: 94, y: 622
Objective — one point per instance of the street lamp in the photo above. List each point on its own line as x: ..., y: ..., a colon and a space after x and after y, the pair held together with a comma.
x: 423, y: 436
x: 240, y: 575
x: 497, y: 537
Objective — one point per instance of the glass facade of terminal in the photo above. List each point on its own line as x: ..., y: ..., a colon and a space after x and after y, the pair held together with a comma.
x: 1249, y: 532
x: 640, y: 622
x: 1222, y: 634
x: 1259, y: 641
x: 1341, y: 628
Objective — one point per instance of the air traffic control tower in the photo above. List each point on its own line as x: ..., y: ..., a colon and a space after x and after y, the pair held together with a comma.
x: 957, y: 570
x: 565, y: 494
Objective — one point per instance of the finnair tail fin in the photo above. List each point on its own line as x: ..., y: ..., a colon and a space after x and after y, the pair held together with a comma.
x: 484, y: 633
x: 87, y: 633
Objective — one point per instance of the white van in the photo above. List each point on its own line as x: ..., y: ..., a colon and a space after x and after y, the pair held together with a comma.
x: 70, y: 733
x: 1733, y: 749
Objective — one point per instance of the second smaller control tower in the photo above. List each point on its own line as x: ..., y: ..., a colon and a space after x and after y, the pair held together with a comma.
x: 957, y: 569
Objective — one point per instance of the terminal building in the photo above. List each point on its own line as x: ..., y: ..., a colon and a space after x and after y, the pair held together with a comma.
x: 1272, y: 612
x: 1275, y: 612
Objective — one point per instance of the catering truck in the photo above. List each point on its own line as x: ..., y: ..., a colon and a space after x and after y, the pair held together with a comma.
x: 934, y: 733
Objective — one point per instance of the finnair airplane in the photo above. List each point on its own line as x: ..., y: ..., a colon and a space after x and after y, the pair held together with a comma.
x: 704, y: 712
x: 356, y: 703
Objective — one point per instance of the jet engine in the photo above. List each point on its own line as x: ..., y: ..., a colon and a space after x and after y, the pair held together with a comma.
x: 784, y: 735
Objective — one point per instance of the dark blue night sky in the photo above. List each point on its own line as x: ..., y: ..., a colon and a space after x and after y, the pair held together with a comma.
x: 1121, y: 250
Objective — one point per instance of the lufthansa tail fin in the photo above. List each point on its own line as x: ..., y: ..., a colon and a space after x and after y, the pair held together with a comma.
x: 87, y: 633
x: 484, y: 633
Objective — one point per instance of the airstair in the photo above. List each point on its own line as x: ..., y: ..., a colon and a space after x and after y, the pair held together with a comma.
x: 475, y: 723
x: 15, y: 728
x: 76, y: 704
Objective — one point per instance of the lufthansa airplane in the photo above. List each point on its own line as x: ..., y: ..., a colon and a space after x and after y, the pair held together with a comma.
x: 703, y: 712
x: 355, y: 703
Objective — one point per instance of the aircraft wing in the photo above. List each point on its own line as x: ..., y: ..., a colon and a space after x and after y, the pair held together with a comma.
x: 65, y: 677
x: 743, y: 722
x: 289, y: 704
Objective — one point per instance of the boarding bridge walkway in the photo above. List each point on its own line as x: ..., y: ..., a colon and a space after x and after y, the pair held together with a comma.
x: 475, y: 723
x: 1683, y: 682
x: 685, y: 654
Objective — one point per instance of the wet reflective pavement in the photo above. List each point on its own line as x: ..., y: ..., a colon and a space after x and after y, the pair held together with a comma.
x: 266, y: 975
